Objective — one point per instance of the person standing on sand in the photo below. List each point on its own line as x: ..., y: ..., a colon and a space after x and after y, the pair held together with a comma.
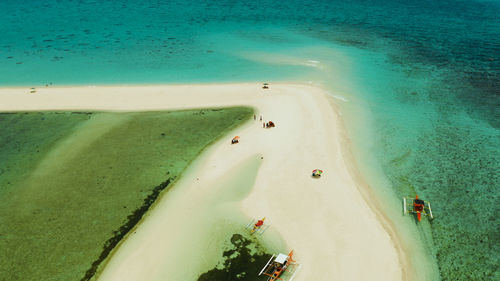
x: 254, y: 117
x: 261, y: 118
x: 263, y: 125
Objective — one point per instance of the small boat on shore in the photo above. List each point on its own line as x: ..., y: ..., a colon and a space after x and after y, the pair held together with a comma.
x: 277, y: 267
x: 417, y: 206
x: 257, y: 226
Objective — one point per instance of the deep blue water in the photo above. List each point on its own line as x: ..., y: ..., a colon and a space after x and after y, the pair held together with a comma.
x: 428, y: 73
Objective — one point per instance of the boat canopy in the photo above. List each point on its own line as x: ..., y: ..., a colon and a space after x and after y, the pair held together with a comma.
x: 281, y: 258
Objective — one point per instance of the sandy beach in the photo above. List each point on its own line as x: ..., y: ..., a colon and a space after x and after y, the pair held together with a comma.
x: 333, y: 230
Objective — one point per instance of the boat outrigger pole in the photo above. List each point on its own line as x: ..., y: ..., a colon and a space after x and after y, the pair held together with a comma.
x: 430, y: 210
x: 260, y: 273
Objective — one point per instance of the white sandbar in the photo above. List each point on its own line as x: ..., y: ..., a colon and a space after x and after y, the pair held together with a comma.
x: 334, y: 232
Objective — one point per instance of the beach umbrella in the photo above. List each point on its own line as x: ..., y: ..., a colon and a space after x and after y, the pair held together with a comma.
x: 317, y: 172
x: 236, y: 138
x: 266, y: 84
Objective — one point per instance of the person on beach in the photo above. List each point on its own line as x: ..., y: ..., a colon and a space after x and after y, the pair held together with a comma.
x: 263, y: 125
x: 260, y: 118
x: 254, y: 117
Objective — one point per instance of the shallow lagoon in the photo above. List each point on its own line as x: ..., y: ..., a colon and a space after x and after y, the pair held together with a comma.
x: 74, y: 183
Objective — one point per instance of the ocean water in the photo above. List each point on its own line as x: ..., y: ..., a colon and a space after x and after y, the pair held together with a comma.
x: 418, y: 83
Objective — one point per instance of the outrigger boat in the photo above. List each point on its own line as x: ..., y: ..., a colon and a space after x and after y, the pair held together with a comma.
x: 257, y: 226
x: 277, y: 267
x: 417, y: 206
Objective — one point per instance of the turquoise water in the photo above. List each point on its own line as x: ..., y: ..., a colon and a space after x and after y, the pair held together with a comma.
x: 418, y: 80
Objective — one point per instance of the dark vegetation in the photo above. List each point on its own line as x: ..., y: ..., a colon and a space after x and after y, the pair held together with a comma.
x: 132, y: 220
x: 242, y: 262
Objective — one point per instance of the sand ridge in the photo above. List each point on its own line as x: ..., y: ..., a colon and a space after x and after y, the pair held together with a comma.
x: 334, y: 233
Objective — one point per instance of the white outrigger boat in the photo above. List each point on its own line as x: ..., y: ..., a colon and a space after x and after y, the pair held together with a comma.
x: 276, y: 266
x: 417, y: 206
x: 257, y: 226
